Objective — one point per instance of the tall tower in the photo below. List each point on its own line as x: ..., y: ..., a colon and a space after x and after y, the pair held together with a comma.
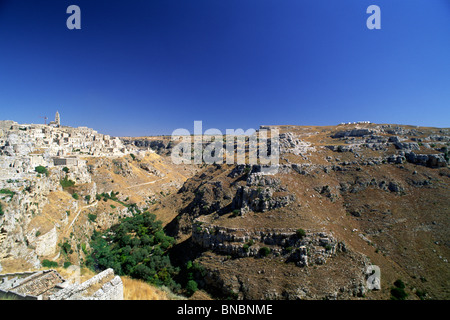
x: 57, y: 119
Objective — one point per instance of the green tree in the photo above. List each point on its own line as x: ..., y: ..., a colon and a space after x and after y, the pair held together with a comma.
x: 191, y: 287
x: 137, y: 246
x: 264, y: 251
x: 300, y: 233
x: 49, y: 264
x: 66, y: 182
x: 398, y: 292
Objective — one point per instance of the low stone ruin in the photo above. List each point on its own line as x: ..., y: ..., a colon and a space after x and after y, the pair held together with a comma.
x: 50, y: 285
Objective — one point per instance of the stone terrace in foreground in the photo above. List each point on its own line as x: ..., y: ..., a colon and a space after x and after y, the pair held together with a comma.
x: 49, y: 285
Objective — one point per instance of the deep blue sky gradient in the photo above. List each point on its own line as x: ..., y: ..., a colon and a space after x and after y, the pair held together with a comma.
x: 148, y: 67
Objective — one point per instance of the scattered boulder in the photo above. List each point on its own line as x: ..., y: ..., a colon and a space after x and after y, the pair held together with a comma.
x: 395, y: 158
x: 407, y: 145
x: 395, y: 187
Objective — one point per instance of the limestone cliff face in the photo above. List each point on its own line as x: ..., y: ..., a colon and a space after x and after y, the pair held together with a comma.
x: 47, y: 243
x: 288, y: 244
x: 29, y: 228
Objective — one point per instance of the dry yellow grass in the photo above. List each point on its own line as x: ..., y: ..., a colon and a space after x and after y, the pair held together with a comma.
x: 134, y: 289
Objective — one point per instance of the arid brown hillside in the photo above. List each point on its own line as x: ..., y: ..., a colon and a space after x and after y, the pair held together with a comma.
x: 364, y: 194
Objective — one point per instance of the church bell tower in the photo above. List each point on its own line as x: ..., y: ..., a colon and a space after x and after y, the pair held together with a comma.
x: 57, y: 119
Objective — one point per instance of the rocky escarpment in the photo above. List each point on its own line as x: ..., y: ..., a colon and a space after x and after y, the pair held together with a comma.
x: 289, y: 245
x: 261, y: 193
x: 289, y: 143
x: 26, y: 203
x: 44, y: 210
x: 278, y: 264
x: 162, y: 146
x: 239, y: 190
x: 411, y: 145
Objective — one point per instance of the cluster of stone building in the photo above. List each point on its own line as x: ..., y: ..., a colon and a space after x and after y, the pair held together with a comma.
x: 25, y: 146
x: 356, y: 122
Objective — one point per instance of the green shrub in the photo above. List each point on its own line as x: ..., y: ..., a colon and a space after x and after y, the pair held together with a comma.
x: 1, y: 210
x: 41, y: 170
x: 399, y: 284
x: 49, y: 264
x: 66, y: 248
x: 264, y: 251
x: 75, y: 196
x: 191, y: 287
x: 236, y: 212
x: 113, y: 195
x: 92, y: 217
x: 446, y: 154
x: 66, y: 182
x: 300, y: 233
x: 398, y: 294
x: 8, y: 192
x: 67, y: 264
x: 421, y: 294
x: 66, y: 170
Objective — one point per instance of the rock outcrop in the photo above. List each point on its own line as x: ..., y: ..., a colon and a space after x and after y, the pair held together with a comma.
x: 429, y: 160
x: 258, y: 194
x: 302, y: 248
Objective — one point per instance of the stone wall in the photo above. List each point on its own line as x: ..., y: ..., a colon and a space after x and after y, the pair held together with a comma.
x: 103, y: 286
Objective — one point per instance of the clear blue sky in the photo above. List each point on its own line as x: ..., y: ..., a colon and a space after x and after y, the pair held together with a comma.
x: 148, y: 67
